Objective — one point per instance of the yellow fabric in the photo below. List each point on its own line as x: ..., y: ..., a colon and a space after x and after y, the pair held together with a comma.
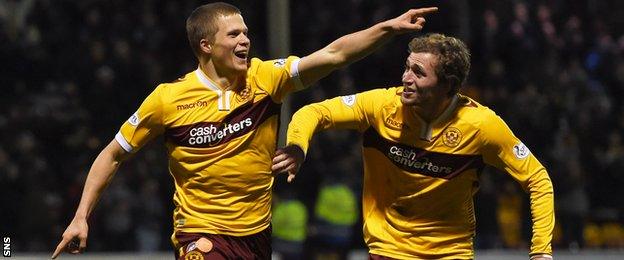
x: 290, y: 219
x: 220, y: 145
x: 419, y: 179
x: 336, y: 204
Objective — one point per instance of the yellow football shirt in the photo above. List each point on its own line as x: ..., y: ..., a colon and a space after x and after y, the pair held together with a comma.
x: 220, y: 145
x: 419, y: 178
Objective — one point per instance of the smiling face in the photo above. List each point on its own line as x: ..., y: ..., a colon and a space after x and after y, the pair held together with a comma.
x: 421, y: 87
x: 230, y: 48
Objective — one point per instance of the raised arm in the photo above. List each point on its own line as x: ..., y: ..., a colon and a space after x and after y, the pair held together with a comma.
x: 100, y: 175
x: 352, y: 47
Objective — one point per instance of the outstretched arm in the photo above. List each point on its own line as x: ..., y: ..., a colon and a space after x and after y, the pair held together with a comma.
x: 352, y: 47
x: 347, y: 112
x: 100, y: 174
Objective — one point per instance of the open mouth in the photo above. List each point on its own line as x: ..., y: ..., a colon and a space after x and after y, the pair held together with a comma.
x: 241, y: 54
x: 408, y: 90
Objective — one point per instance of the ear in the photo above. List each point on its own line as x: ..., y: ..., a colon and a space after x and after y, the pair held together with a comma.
x: 205, y: 46
x: 452, y: 82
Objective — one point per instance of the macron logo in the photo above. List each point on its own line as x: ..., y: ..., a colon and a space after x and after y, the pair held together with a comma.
x: 192, y: 105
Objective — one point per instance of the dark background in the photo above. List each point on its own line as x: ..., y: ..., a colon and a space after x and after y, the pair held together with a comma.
x: 73, y: 71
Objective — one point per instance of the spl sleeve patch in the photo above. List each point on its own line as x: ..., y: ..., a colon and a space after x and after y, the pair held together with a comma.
x: 279, y: 63
x: 521, y: 151
x: 348, y: 100
x: 134, y: 119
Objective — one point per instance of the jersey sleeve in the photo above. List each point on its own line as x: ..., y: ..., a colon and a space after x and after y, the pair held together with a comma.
x: 278, y: 77
x: 346, y: 112
x: 503, y: 150
x: 144, y: 124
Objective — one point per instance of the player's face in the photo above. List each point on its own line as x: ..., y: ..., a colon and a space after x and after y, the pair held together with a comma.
x: 421, y: 87
x: 231, y: 45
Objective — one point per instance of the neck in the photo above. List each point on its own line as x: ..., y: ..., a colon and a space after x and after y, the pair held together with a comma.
x: 224, y: 80
x: 431, y: 113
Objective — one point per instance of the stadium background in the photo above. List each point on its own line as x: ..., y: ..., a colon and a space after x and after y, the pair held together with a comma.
x: 73, y: 71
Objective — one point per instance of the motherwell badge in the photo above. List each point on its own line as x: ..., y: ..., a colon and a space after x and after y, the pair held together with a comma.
x: 451, y: 137
x: 244, y: 94
x: 194, y: 255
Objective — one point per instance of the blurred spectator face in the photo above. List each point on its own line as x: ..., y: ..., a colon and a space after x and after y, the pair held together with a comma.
x: 231, y: 45
x: 543, y: 13
x: 420, y: 82
x: 521, y: 12
x: 491, y: 21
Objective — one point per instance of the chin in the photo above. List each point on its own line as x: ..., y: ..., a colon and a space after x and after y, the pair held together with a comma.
x: 240, y: 69
x: 408, y: 101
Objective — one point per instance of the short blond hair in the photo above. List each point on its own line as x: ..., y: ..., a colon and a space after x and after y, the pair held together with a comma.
x: 202, y: 23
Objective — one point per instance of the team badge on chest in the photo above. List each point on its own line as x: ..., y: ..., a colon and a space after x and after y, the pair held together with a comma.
x: 194, y: 255
x: 244, y: 94
x: 451, y: 137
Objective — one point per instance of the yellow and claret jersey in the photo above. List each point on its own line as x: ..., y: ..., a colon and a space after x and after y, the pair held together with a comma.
x: 420, y: 178
x: 220, y: 145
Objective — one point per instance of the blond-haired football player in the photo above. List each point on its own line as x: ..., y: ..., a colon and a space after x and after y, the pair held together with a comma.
x: 220, y: 124
x: 423, y: 147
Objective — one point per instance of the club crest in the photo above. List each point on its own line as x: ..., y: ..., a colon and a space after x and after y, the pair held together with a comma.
x: 451, y: 137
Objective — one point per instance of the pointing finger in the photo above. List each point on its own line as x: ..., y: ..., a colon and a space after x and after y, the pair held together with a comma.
x: 425, y: 11
x: 60, y: 248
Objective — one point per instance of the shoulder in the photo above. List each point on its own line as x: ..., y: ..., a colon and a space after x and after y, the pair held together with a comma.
x: 382, y: 95
x: 257, y: 65
x: 489, y: 125
x: 178, y: 85
x: 474, y: 112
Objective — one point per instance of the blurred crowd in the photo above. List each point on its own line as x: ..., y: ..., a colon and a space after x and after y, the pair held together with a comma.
x: 73, y: 71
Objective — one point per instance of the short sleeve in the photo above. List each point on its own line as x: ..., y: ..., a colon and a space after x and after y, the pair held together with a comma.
x: 144, y: 124
x: 278, y: 77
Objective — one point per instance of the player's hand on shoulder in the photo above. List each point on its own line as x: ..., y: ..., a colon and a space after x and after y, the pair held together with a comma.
x: 74, y: 238
x: 412, y: 20
x: 288, y: 159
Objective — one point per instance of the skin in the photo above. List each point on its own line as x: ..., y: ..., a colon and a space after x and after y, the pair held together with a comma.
x: 422, y: 92
x: 226, y: 57
x: 224, y: 60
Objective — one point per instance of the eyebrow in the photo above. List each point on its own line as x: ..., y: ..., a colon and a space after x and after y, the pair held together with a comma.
x: 419, y: 68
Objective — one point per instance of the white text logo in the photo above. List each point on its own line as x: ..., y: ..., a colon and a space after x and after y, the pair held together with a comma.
x: 409, y: 158
x: 211, y: 134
